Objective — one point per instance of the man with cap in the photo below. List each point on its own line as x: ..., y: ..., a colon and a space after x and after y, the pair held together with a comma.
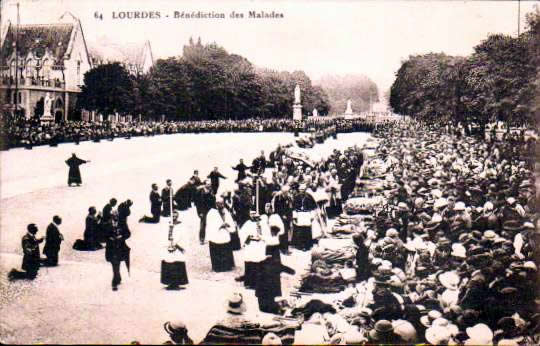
x: 155, y: 206
x: 166, y: 199
x: 383, y: 334
x: 53, y: 238
x: 178, y: 333
x: 31, y: 258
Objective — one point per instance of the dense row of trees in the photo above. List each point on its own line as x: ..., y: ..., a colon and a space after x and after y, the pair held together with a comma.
x: 499, y: 81
x: 206, y: 82
x: 358, y: 88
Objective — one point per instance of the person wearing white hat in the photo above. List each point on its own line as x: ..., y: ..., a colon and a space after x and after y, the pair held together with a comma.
x: 271, y: 339
x: 178, y: 333
x: 479, y: 334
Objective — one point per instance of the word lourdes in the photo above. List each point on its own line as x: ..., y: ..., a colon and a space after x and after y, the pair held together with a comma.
x: 195, y: 15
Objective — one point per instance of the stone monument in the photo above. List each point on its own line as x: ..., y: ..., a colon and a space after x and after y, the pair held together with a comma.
x: 47, y: 109
x: 349, y: 111
x: 315, y: 112
x: 297, y: 106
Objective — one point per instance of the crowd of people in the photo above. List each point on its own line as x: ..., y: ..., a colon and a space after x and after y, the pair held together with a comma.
x: 449, y: 257
x: 29, y: 133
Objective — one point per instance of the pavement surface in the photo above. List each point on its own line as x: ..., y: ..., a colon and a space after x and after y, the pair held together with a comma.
x: 74, y: 303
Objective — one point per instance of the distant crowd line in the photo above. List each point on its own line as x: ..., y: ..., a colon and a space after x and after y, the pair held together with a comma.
x: 28, y: 133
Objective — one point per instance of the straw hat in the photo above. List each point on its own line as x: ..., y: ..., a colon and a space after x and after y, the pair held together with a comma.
x: 438, y: 335
x: 235, y: 304
x: 458, y: 250
x: 459, y: 206
x: 449, y: 280
x: 405, y: 330
x: 480, y: 334
x: 427, y: 320
x: 271, y: 339
x: 174, y: 327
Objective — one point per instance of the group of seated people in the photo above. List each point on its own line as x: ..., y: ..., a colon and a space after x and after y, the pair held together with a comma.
x: 452, y: 258
x: 30, y: 132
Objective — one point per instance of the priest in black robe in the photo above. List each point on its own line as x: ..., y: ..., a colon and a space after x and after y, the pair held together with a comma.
x: 74, y: 175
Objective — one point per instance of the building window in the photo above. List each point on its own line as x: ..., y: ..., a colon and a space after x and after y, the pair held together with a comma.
x: 20, y: 97
x: 8, y: 97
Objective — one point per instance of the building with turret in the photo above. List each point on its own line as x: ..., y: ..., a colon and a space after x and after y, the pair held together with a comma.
x: 41, y: 59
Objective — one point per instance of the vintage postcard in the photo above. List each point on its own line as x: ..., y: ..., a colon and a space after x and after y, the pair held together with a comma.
x: 269, y: 172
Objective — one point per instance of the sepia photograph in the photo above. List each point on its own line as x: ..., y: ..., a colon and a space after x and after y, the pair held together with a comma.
x: 269, y: 172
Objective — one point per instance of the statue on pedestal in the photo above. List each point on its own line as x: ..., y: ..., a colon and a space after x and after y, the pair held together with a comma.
x: 47, y: 109
x: 349, y: 107
x: 297, y: 106
x: 47, y: 106
x: 315, y: 112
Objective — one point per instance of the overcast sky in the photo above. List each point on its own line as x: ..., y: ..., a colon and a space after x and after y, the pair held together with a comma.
x: 319, y: 37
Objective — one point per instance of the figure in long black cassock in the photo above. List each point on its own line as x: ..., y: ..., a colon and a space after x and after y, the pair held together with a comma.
x: 214, y: 177
x: 91, y: 230
x: 268, y: 285
x: 74, y: 175
x: 53, y: 238
x: 241, y: 168
x: 282, y: 205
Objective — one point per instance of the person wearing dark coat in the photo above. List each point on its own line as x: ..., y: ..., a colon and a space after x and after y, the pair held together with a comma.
x: 282, y: 205
x: 117, y: 251
x: 241, y: 168
x: 204, y: 201
x: 214, y: 177
x: 53, y: 238
x: 184, y: 196
x: 362, y: 257
x: 124, y: 210
x: 31, y: 258
x: 259, y: 164
x: 268, y: 285
x: 74, y: 175
x: 155, y: 206
x: 195, y: 178
x: 166, y: 199
x: 106, y: 220
x: 91, y: 230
